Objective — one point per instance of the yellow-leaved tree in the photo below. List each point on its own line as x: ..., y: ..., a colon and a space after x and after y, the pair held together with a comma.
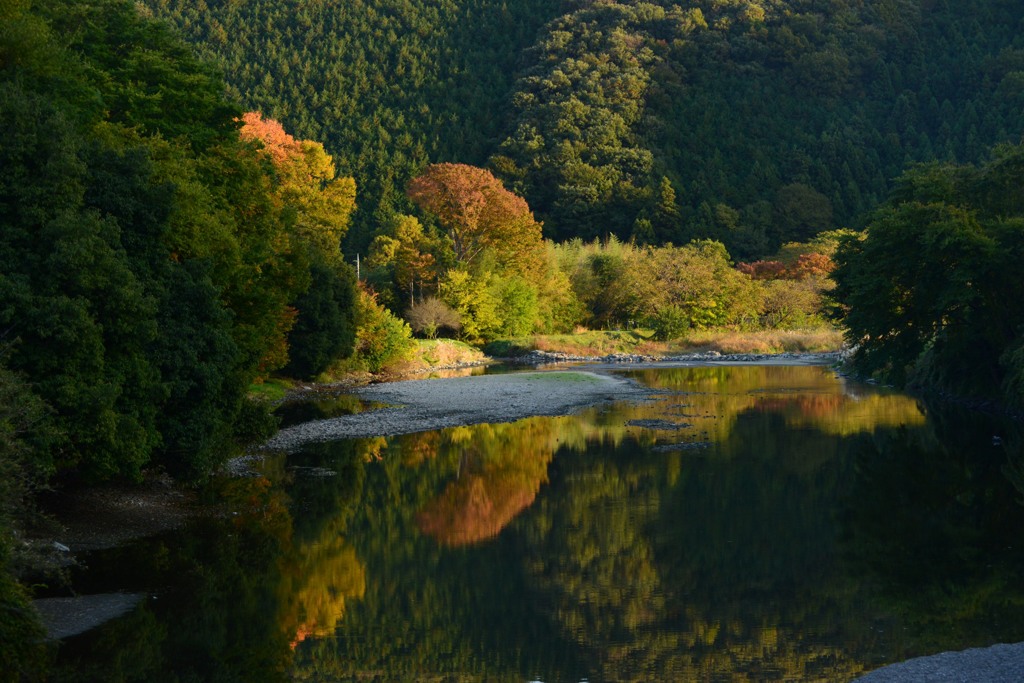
x: 317, y: 201
x: 315, y: 207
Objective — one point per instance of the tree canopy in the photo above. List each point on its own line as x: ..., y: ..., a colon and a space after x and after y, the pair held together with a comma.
x: 932, y: 291
x: 478, y: 214
x: 153, y: 261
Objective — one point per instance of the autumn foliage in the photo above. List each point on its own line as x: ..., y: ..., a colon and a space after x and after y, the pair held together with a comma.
x: 316, y: 203
x: 806, y: 266
x: 478, y: 213
x: 281, y: 146
x: 499, y: 477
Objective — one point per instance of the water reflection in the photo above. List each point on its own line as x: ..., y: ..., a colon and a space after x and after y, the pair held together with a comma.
x: 934, y: 518
x: 821, y: 529
x: 297, y: 412
x: 501, y: 469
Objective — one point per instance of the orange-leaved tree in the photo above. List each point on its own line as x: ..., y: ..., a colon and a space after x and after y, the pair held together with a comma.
x: 314, y: 208
x: 320, y: 203
x: 479, y: 214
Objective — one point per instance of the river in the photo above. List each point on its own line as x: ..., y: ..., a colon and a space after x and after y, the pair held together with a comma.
x: 748, y: 523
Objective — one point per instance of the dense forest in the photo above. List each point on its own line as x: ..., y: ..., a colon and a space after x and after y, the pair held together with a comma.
x: 158, y: 254
x: 752, y: 122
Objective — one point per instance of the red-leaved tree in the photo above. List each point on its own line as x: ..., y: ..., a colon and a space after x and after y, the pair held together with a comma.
x: 478, y: 214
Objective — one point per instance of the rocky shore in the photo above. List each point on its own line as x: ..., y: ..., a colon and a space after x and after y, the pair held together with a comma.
x: 539, y: 358
x: 422, y: 405
x: 1002, y: 663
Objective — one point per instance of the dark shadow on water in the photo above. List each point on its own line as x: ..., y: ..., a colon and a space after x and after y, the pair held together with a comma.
x: 297, y: 412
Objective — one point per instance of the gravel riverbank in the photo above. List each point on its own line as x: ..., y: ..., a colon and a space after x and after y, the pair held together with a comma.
x: 421, y: 405
x: 996, y: 664
x: 427, y: 404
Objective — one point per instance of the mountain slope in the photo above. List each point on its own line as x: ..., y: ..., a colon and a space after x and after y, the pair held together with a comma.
x: 751, y: 121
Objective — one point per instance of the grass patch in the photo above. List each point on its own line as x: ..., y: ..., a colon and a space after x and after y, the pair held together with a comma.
x: 272, y: 389
x: 763, y: 341
x: 445, y: 352
x: 603, y: 343
x: 584, y: 343
x: 429, y: 354
x: 425, y: 355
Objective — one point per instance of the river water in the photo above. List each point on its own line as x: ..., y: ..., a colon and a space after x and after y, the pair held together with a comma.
x: 750, y: 523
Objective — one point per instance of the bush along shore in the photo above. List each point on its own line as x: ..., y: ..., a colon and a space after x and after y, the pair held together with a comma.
x: 539, y: 358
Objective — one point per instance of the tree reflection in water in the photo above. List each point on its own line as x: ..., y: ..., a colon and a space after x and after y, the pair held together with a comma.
x: 501, y: 469
x: 935, y: 519
x: 823, y: 530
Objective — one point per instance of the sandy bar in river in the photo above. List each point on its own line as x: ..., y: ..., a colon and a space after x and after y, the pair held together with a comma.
x: 422, y: 405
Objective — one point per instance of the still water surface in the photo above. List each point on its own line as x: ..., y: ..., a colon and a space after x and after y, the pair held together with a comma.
x: 750, y: 523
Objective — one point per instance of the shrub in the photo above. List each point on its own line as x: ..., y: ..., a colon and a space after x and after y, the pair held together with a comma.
x: 255, y: 423
x: 381, y: 337
x: 670, y: 322
x: 432, y: 315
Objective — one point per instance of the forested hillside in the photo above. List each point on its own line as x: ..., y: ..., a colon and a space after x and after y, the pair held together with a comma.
x: 387, y: 85
x: 754, y: 122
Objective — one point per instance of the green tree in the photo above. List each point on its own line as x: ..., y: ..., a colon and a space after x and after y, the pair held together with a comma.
x: 666, y: 219
x: 324, y: 328
x: 82, y: 317
x: 401, y: 257
x: 928, y: 290
x: 517, y: 306
x: 698, y: 279
x: 474, y: 301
